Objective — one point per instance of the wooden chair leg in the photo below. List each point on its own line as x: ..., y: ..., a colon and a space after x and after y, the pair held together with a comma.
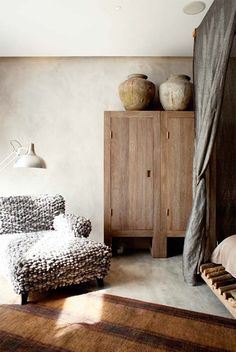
x: 24, y: 298
x: 100, y: 283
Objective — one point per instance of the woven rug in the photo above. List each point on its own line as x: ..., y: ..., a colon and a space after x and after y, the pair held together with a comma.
x: 96, y: 322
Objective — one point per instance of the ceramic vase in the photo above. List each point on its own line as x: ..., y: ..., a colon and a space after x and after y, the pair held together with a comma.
x: 136, y: 93
x: 176, y: 93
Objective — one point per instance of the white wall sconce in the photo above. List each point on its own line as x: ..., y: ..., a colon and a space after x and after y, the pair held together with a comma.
x: 22, y: 157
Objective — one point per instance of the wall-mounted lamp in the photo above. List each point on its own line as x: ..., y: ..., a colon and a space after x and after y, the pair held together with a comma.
x: 22, y: 157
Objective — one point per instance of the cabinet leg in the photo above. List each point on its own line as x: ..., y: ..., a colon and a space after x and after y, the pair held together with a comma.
x: 159, y: 246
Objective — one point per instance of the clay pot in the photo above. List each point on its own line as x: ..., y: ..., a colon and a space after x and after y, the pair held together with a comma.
x: 176, y: 93
x: 136, y: 93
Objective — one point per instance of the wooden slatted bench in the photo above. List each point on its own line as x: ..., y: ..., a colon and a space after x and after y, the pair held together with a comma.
x: 221, y: 283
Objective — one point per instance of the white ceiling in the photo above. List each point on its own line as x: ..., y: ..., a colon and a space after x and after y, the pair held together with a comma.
x: 96, y: 28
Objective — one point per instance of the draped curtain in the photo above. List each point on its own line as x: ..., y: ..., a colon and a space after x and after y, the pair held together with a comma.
x: 212, y: 48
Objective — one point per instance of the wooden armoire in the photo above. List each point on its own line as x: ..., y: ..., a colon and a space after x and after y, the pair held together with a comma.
x: 148, y: 175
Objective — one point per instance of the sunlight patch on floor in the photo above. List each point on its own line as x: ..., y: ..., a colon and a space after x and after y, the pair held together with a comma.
x: 78, y: 310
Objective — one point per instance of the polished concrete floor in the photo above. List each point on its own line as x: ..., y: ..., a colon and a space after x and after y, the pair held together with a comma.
x: 139, y: 276
x: 142, y: 277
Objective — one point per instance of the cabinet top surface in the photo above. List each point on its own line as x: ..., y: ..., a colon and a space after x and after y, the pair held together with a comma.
x: 149, y: 113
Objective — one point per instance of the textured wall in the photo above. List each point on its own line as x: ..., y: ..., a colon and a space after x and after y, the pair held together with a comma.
x: 58, y: 103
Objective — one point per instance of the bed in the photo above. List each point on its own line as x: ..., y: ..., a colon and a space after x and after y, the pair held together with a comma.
x: 220, y: 274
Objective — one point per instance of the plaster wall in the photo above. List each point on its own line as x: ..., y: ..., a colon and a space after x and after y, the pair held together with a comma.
x: 59, y: 103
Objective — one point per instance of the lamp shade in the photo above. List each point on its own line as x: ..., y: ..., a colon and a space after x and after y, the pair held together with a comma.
x: 30, y: 159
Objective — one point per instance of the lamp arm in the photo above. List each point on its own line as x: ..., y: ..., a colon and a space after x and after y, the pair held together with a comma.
x: 13, y: 155
x: 8, y: 160
x: 16, y: 149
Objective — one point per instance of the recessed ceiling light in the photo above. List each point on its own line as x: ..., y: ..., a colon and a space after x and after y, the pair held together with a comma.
x: 194, y: 7
x: 118, y: 8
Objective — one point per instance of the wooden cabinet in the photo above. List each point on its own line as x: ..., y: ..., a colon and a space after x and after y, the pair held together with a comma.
x: 148, y: 171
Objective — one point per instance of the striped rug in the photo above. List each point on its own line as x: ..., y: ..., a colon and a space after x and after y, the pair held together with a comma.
x: 96, y: 322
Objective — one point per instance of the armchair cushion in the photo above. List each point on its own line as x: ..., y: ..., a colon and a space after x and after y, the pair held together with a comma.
x: 80, y: 226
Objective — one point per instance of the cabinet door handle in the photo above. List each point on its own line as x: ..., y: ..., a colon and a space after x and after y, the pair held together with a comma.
x: 148, y: 173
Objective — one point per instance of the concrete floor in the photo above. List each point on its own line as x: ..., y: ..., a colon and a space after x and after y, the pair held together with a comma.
x: 142, y: 277
x: 139, y: 276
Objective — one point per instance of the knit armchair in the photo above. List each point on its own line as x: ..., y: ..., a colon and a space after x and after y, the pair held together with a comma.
x: 42, y: 248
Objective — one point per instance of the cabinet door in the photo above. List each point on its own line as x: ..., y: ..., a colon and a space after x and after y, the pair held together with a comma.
x: 177, y: 160
x: 131, y: 173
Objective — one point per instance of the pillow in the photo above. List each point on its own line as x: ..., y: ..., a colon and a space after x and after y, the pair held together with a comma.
x: 225, y: 254
x: 80, y: 226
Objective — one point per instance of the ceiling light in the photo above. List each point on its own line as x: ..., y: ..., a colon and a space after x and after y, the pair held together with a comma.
x: 194, y: 7
x: 118, y: 8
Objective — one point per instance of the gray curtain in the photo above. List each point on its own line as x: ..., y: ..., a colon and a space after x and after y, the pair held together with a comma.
x: 212, y: 48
